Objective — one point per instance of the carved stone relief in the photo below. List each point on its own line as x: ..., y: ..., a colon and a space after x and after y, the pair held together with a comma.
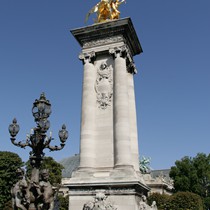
x: 104, y: 86
x: 99, y: 203
x: 99, y: 42
x: 144, y: 206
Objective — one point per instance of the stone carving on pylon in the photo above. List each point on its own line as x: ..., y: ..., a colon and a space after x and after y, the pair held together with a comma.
x: 104, y: 86
x: 144, y: 206
x: 99, y: 203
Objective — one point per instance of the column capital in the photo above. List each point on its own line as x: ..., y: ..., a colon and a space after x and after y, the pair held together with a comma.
x: 87, y: 57
x: 124, y: 52
x: 119, y: 51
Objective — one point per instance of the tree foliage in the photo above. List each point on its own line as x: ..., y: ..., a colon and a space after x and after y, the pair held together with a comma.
x: 55, y: 169
x: 162, y: 200
x: 8, y: 205
x: 177, y: 201
x: 9, y: 163
x: 186, y: 200
x: 193, y: 175
x: 63, y: 202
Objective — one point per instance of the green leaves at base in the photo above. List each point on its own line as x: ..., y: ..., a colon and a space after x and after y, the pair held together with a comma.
x: 9, y: 163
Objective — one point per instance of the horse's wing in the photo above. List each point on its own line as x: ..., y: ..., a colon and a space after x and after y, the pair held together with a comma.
x: 94, y: 9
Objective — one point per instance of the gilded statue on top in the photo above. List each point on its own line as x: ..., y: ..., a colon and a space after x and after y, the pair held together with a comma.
x: 106, y: 10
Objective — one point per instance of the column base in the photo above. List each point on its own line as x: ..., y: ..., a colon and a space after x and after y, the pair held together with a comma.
x: 119, y: 195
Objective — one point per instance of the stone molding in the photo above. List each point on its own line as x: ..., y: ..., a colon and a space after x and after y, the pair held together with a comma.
x: 109, y: 188
x: 99, y: 42
x: 122, y: 27
x: 112, y: 191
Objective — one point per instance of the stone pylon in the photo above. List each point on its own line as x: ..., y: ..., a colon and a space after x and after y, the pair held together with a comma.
x: 108, y: 173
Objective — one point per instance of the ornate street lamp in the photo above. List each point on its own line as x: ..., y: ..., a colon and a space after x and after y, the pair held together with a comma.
x: 38, y: 140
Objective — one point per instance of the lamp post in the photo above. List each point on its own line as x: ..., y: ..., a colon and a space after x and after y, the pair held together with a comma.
x: 38, y: 140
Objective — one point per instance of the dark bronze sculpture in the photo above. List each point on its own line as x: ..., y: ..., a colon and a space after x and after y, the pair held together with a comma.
x: 36, y: 193
x: 45, y: 191
x: 20, y: 192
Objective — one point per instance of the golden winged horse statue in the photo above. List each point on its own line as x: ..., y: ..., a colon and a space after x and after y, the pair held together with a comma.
x: 106, y: 10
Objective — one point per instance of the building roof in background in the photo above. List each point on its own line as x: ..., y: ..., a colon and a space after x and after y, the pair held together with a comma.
x: 72, y: 163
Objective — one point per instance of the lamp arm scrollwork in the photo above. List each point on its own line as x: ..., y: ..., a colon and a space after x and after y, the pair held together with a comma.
x: 56, y: 148
x: 20, y: 143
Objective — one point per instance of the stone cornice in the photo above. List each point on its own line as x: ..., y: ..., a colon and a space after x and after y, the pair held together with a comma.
x: 131, y: 186
x: 121, y: 29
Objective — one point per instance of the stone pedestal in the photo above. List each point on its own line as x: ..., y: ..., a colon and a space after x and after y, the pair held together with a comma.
x: 109, y: 158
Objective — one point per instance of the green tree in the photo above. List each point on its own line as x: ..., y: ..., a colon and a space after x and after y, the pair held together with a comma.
x: 8, y: 205
x: 202, y: 164
x: 55, y: 170
x: 63, y: 202
x: 193, y: 175
x: 186, y: 201
x: 9, y: 163
x: 177, y: 201
x: 162, y: 200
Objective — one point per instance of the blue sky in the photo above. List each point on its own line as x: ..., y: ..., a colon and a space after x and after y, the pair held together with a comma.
x: 39, y: 54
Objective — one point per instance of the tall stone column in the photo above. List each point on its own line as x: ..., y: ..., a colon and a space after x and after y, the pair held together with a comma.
x: 87, y: 134
x: 108, y: 142
x: 133, y: 120
x: 122, y: 150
